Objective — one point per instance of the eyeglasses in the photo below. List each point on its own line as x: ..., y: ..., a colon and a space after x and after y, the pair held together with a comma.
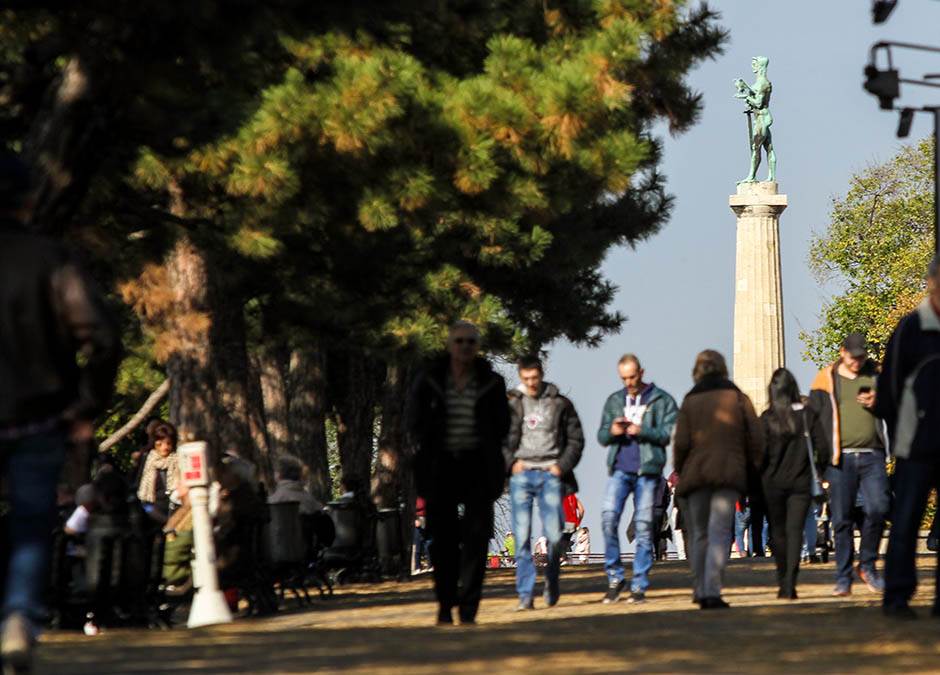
x: 465, y: 341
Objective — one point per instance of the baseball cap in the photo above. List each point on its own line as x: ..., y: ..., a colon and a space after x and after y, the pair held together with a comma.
x: 855, y: 344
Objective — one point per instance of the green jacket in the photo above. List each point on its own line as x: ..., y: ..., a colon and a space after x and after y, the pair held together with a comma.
x: 658, y: 423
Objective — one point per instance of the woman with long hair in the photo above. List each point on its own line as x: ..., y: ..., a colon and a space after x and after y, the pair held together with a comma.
x: 791, y: 432
x: 718, y: 439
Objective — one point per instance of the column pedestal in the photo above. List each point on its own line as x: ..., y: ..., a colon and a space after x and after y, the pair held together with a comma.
x: 758, y: 298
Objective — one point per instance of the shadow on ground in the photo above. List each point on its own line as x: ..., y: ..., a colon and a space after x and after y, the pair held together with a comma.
x: 385, y: 628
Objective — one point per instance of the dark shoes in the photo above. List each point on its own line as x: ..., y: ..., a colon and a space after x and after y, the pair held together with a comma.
x: 713, y: 603
x: 901, y: 612
x: 787, y: 594
x: 550, y: 599
x: 444, y: 617
x: 871, y: 578
x: 637, y: 597
x: 614, y: 589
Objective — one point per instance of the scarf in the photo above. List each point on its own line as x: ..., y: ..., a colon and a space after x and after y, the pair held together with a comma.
x: 147, y: 492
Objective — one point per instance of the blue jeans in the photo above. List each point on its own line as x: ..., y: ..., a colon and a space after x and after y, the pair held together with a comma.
x: 912, y: 483
x: 742, y: 520
x: 860, y: 473
x: 809, y: 530
x: 620, y: 486
x: 524, y: 488
x: 31, y: 466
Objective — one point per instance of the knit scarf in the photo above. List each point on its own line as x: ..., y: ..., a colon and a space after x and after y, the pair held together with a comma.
x: 147, y: 492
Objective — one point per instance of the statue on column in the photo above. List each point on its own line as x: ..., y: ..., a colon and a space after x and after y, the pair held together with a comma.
x: 759, y: 119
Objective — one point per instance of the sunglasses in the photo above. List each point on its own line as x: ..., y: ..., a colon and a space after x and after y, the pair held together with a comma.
x: 465, y: 341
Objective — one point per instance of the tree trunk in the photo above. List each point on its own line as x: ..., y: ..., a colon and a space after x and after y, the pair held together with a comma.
x: 392, y: 462
x: 307, y: 414
x: 192, y: 400
x: 229, y: 355
x: 257, y: 422
x: 353, y: 385
x: 272, y: 373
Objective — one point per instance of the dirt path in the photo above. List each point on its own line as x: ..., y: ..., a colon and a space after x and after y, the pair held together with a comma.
x: 387, y: 628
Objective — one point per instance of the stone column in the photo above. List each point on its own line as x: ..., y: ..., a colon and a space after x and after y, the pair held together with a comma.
x: 758, y: 299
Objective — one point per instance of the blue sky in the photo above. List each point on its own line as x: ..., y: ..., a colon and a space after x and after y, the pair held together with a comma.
x: 677, y: 288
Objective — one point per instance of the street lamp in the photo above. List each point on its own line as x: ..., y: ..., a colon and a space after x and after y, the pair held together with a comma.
x: 886, y: 85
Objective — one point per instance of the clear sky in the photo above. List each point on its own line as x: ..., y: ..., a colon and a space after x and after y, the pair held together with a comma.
x: 677, y: 288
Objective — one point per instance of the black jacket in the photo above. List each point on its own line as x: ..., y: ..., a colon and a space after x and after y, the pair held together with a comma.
x: 568, y: 433
x: 786, y: 455
x: 49, y: 313
x: 425, y: 420
x: 916, y: 337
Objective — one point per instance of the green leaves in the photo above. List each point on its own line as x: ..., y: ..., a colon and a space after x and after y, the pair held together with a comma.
x: 877, y: 246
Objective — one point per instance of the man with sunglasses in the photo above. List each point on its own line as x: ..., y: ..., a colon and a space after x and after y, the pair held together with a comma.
x: 457, y: 417
x: 636, y: 426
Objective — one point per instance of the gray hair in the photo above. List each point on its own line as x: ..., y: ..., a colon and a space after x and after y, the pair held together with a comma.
x: 933, y: 269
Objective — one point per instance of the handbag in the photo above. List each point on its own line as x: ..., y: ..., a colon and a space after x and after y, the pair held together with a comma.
x: 816, y: 489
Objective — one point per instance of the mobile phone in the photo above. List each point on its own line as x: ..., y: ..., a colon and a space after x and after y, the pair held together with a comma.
x: 864, y: 390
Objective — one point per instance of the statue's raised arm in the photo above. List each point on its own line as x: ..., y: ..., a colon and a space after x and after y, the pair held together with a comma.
x: 759, y: 119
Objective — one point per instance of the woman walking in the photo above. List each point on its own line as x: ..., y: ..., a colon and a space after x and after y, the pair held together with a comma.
x: 718, y: 438
x: 791, y: 433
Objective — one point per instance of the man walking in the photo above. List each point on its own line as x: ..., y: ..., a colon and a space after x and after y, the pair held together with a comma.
x: 49, y: 315
x: 908, y: 399
x: 636, y: 426
x: 844, y: 397
x: 544, y: 445
x: 458, y: 417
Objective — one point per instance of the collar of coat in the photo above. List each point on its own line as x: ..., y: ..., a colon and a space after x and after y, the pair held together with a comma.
x: 826, y: 378
x: 549, y: 390
x: 928, y: 316
x: 482, y: 370
x: 712, y: 383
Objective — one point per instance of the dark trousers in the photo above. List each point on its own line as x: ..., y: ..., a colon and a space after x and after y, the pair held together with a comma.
x: 858, y: 473
x: 460, y: 522
x: 786, y: 512
x: 758, y: 512
x: 912, y: 483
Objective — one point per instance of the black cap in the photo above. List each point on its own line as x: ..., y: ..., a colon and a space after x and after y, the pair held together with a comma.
x: 855, y: 344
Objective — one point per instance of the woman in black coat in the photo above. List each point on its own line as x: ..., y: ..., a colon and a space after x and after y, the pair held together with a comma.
x: 791, y: 432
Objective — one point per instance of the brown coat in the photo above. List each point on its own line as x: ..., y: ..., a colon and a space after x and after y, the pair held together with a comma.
x: 717, y: 436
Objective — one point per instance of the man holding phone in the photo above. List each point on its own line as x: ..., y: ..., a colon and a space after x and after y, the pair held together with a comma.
x: 844, y: 396
x: 636, y: 426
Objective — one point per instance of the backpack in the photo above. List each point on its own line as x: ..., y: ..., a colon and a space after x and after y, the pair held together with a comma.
x: 918, y: 423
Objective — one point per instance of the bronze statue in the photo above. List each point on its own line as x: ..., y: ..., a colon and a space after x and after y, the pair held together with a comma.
x: 759, y: 119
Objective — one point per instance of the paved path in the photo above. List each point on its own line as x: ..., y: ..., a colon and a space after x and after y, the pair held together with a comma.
x: 387, y: 628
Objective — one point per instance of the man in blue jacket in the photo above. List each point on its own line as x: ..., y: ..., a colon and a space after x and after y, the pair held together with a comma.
x: 636, y: 427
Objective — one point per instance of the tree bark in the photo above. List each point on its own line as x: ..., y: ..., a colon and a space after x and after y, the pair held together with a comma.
x: 353, y: 384
x: 392, y: 461
x: 192, y: 401
x: 307, y: 415
x: 229, y: 354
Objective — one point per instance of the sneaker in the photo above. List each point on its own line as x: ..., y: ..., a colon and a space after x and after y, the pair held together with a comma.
x: 636, y: 597
x: 902, y: 612
x: 871, y: 578
x: 525, y: 603
x: 16, y: 644
x: 614, y: 589
x: 842, y: 591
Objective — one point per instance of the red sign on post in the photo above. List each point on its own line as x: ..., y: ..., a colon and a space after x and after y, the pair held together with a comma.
x: 193, y: 461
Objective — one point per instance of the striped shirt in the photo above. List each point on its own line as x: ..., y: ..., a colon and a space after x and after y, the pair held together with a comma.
x: 461, y: 419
